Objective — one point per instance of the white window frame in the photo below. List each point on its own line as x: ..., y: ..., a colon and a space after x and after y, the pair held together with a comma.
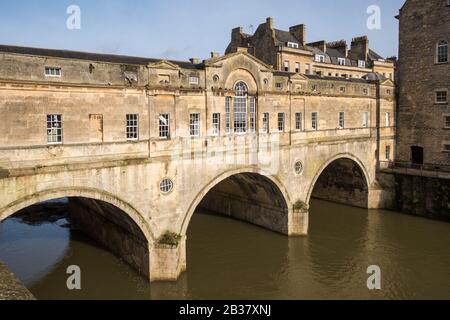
x: 298, y: 67
x: 216, y: 124
x: 266, y: 122
x: 446, y: 122
x: 286, y: 65
x: 442, y: 52
x: 319, y: 58
x: 341, y: 120
x: 228, y: 115
x: 298, y: 121
x: 194, y: 124
x: 342, y: 61
x: 365, y: 120
x: 445, y: 96
x: 281, y: 122
x: 54, y: 129
x: 388, y: 152
x: 307, y: 68
x: 194, y: 80
x: 279, y: 85
x: 293, y: 45
x: 53, y: 72
x: 361, y: 64
x: 387, y: 119
x: 240, y: 108
x: 164, y: 126
x: 252, y: 127
x: 132, y: 127
x: 315, y: 121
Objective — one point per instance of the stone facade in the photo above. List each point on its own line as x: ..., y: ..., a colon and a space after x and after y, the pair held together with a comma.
x: 421, y: 119
x: 263, y: 171
x: 289, y: 51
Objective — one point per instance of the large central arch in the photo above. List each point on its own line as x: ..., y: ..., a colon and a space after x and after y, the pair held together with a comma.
x: 250, y: 188
x: 342, y: 179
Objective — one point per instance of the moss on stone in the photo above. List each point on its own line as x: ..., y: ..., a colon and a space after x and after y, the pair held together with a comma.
x: 169, y: 239
x: 301, y: 206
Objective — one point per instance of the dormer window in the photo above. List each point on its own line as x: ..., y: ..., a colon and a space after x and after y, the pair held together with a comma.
x: 361, y: 64
x: 52, y: 72
x: 341, y: 61
x: 320, y: 58
x: 293, y: 45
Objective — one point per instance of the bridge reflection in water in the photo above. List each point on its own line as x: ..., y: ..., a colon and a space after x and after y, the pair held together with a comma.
x: 234, y: 260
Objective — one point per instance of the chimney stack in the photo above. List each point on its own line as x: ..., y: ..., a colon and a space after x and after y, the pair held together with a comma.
x: 269, y: 23
x: 195, y: 60
x: 322, y: 45
x: 360, y: 45
x: 299, y: 33
x: 340, y: 46
x: 215, y: 55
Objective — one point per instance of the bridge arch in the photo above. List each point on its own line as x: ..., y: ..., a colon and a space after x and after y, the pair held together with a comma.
x: 80, y: 192
x: 282, y: 198
x: 343, y: 160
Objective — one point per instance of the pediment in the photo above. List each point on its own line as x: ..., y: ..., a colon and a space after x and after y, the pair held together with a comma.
x: 388, y: 82
x: 298, y: 77
x: 245, y: 57
x: 164, y: 64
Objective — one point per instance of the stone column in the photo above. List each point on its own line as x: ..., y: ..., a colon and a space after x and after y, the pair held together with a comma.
x: 168, y: 260
x: 299, y: 221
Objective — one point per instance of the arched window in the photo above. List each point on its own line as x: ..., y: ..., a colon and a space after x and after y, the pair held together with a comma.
x: 240, y: 107
x: 442, y: 52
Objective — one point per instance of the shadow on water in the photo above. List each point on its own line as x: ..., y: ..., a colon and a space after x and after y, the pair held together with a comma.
x: 229, y: 259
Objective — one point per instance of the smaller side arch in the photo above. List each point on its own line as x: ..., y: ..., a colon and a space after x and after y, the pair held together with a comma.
x: 327, y: 163
x: 224, y: 176
x: 30, y: 200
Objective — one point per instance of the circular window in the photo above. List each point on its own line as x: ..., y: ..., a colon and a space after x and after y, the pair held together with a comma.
x: 166, y: 186
x: 298, y: 167
x: 216, y: 78
x: 266, y: 81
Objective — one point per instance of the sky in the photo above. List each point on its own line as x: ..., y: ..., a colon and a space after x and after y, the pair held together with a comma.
x: 179, y: 30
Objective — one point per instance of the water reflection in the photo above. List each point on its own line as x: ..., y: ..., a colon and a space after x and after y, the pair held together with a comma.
x: 229, y: 259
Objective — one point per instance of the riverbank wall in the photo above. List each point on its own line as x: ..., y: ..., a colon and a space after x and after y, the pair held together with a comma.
x: 423, y: 196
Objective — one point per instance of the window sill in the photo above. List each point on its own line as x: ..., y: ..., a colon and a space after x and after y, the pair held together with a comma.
x: 441, y: 63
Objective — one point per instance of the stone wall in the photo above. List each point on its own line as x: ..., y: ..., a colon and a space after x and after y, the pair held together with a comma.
x: 423, y: 196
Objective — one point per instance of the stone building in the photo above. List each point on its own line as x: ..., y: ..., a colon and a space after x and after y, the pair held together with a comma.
x: 137, y: 144
x: 424, y: 84
x: 422, y: 166
x: 289, y: 51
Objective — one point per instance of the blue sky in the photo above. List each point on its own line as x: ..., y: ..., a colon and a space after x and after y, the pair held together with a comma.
x: 182, y: 29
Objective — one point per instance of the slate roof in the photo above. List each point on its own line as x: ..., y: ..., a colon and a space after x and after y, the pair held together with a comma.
x: 285, y: 37
x: 98, y: 57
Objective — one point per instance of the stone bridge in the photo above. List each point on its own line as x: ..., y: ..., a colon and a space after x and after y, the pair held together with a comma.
x: 120, y: 203
x: 243, y: 141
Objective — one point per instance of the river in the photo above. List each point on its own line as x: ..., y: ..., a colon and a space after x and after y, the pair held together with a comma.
x: 229, y: 259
